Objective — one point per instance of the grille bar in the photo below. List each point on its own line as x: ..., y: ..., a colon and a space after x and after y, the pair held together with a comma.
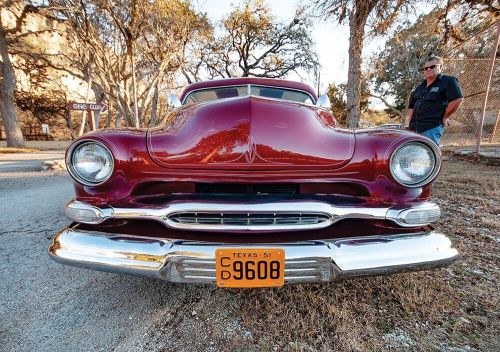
x: 248, y: 219
x: 257, y: 216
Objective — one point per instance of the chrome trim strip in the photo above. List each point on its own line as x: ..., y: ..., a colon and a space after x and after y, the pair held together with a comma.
x: 335, y: 213
x: 306, y: 261
x: 249, y: 85
x: 249, y: 221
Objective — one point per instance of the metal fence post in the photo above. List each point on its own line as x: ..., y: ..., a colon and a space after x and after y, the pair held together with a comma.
x: 492, y: 66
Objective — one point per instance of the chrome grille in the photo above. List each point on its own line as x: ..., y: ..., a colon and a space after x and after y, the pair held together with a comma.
x: 298, y: 220
x: 296, y: 270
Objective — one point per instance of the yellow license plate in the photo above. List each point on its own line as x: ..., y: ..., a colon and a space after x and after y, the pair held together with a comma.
x: 250, y: 267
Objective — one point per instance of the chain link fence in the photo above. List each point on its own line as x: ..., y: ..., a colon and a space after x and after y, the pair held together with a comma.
x: 475, y: 64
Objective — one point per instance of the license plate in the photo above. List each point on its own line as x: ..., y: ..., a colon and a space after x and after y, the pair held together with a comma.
x: 250, y: 267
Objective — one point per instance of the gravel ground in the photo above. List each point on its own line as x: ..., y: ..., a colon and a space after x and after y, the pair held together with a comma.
x: 50, y: 307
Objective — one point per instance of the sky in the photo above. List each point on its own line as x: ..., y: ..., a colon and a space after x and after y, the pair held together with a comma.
x: 332, y: 40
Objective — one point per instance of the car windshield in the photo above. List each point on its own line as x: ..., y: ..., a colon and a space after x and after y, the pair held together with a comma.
x: 239, y: 91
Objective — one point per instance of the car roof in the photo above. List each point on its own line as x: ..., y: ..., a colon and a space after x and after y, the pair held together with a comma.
x: 249, y: 80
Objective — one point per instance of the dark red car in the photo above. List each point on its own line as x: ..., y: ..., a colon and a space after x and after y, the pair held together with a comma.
x: 252, y: 184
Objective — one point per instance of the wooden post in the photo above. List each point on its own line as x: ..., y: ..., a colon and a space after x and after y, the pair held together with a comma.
x: 91, y: 120
x: 492, y: 67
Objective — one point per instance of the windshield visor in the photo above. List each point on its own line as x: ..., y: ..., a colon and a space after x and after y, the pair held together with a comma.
x: 239, y: 91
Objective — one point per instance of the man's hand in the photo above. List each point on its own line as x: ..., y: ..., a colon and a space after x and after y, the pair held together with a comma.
x: 452, y: 107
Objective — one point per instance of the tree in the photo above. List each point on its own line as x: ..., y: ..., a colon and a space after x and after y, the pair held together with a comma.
x: 395, y: 70
x: 10, y: 35
x: 254, y: 43
x: 126, y: 49
x: 48, y: 106
x: 383, y: 13
x: 457, y: 17
x: 337, y: 96
x: 40, y: 95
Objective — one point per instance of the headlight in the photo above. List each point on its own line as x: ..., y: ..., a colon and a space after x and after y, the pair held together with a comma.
x: 90, y: 163
x: 414, y: 164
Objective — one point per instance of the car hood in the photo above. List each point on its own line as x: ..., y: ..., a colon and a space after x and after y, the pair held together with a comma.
x: 250, y: 133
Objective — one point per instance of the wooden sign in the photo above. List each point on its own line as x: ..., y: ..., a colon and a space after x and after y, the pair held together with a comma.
x: 88, y: 106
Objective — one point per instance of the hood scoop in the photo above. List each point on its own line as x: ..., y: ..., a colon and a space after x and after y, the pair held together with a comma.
x: 249, y: 133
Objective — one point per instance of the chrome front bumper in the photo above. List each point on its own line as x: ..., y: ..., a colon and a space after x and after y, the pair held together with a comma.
x: 305, y: 262
x: 256, y: 216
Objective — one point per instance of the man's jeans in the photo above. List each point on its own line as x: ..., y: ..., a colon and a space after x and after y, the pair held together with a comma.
x: 434, y: 134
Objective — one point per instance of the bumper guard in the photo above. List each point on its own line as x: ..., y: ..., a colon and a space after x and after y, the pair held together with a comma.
x: 305, y: 262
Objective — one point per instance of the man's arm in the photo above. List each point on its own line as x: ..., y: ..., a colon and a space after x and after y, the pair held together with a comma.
x: 409, y: 111
x: 450, y: 110
x: 409, y: 116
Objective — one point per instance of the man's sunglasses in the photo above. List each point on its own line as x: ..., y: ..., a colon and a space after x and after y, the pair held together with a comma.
x: 431, y: 67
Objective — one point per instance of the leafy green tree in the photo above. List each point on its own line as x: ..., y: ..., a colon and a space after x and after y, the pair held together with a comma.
x: 457, y: 18
x: 395, y: 70
x: 337, y: 95
x: 378, y: 15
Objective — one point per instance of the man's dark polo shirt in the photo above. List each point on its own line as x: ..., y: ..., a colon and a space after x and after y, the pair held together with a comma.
x: 430, y: 103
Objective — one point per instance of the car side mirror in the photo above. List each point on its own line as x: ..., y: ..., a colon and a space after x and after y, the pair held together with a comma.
x: 173, y: 102
x: 323, y: 102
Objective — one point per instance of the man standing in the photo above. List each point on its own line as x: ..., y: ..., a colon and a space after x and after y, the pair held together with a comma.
x: 434, y: 101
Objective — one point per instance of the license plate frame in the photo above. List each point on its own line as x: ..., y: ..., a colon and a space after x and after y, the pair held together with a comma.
x: 250, y: 267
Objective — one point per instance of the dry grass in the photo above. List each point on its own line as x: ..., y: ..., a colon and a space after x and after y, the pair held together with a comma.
x: 42, y: 145
x: 18, y: 150
x: 452, y: 309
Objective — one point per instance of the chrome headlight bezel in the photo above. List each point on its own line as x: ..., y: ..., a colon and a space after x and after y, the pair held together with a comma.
x: 74, y: 173
x: 436, y: 152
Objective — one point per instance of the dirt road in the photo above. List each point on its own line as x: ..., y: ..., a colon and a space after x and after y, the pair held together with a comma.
x: 46, y: 306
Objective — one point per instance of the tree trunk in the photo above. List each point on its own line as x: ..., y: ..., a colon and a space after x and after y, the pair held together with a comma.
x: 134, y: 88
x: 126, y: 112
x: 110, y: 114
x: 154, y: 108
x: 70, y: 124
x: 119, y: 116
x: 357, y: 34
x: 13, y: 132
x: 99, y: 95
